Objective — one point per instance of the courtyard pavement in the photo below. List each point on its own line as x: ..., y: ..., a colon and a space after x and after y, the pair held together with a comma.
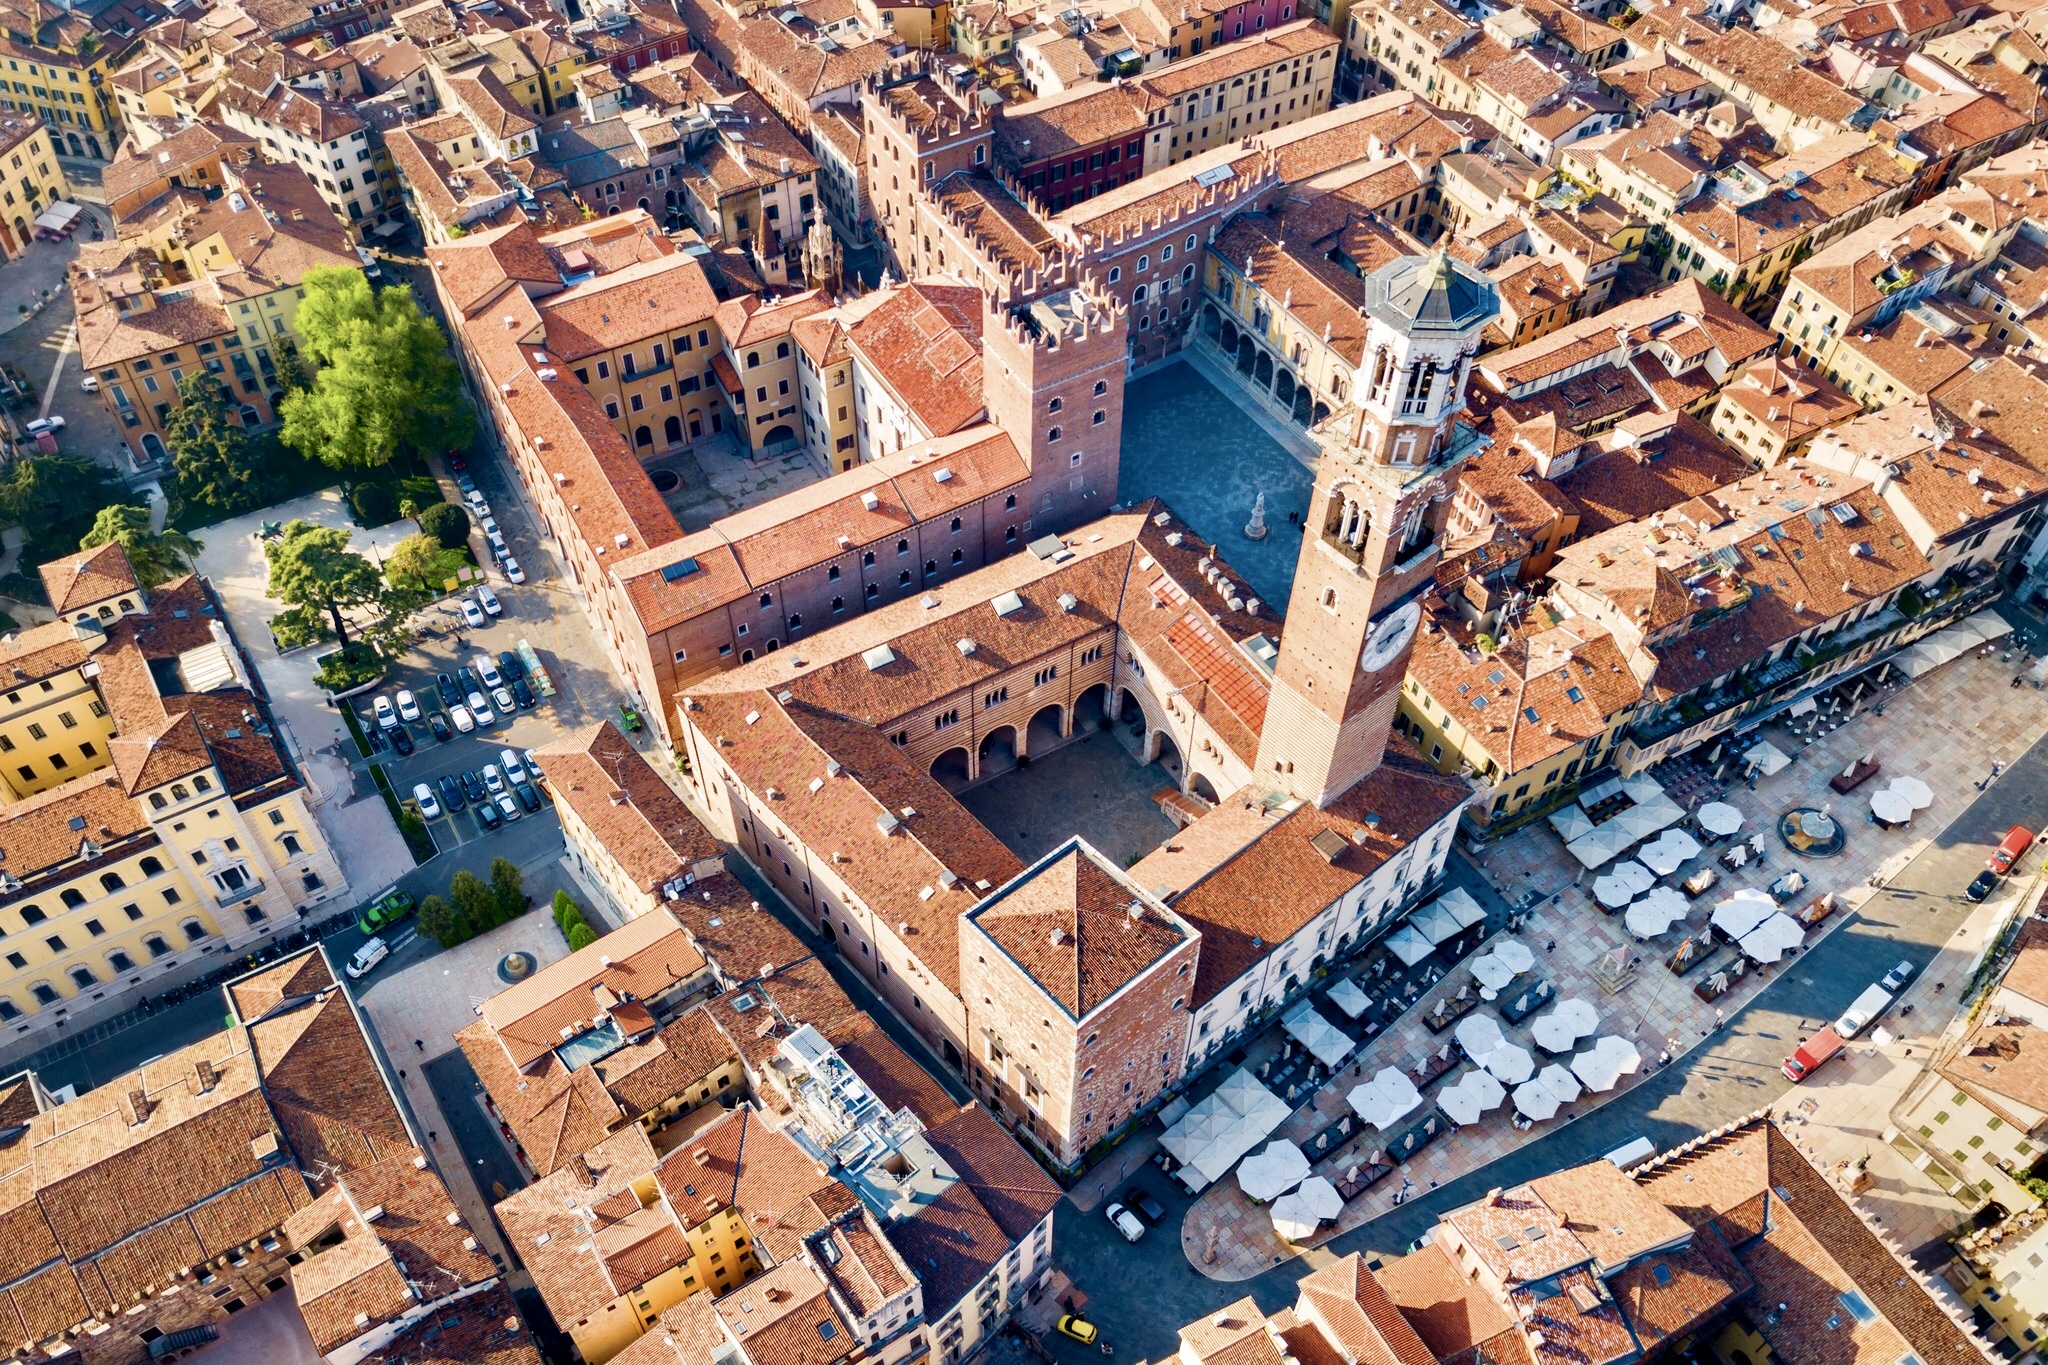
x: 1092, y: 785
x: 272, y: 1332
x: 712, y: 480
x: 1947, y: 729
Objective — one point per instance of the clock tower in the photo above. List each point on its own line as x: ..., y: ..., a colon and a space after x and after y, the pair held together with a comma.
x: 1370, y: 549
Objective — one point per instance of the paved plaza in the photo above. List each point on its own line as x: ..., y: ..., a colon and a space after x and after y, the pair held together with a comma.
x: 1947, y: 728
x: 1093, y: 785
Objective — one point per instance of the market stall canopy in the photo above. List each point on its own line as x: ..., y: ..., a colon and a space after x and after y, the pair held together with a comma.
x: 1478, y: 1034
x: 1742, y: 912
x: 1952, y: 643
x: 1656, y: 912
x: 1510, y: 1064
x: 1638, y: 877
x: 1474, y: 1094
x: 1383, y: 1100
x: 1346, y: 996
x: 1567, y: 1022
x: 1718, y: 817
x: 1571, y: 823
x: 1891, y: 807
x: 1601, y: 791
x: 1267, y: 1175
x: 1916, y: 792
x: 1769, y: 940
x: 1222, y: 1127
x: 1507, y: 961
x: 1297, y: 1216
x: 1516, y: 954
x: 1602, y: 1065
x: 1766, y: 758
x: 1408, y: 945
x: 1668, y: 851
x: 1323, y: 1039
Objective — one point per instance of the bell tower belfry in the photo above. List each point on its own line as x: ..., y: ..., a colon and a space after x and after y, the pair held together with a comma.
x: 1370, y: 545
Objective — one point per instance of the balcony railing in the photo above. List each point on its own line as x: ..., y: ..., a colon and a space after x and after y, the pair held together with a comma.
x: 246, y: 890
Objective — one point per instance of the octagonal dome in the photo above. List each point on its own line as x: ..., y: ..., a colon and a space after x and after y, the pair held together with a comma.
x: 1433, y: 295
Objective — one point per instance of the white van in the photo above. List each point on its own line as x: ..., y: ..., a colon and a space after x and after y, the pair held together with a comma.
x: 368, y: 956
x: 1861, y: 1011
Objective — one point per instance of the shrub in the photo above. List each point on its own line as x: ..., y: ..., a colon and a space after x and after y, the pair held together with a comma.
x: 350, y: 666
x: 566, y: 911
x: 416, y: 493
x: 417, y: 841
x: 581, y: 936
x: 447, y: 523
x: 374, y: 503
x: 439, y: 922
x: 473, y: 901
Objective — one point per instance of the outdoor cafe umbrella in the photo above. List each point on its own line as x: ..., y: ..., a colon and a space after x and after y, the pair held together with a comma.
x: 1346, y: 996
x: 1382, y: 1100
x: 1491, y: 973
x: 1533, y: 1100
x: 1567, y: 1022
x: 1769, y: 940
x: 1670, y: 849
x: 1613, y: 890
x: 1516, y: 954
x: 1655, y: 913
x: 1742, y: 912
x: 1273, y: 1172
x: 1560, y: 1082
x: 1914, y: 790
x: 1478, y: 1034
x: 1891, y: 807
x: 1408, y: 945
x: 1602, y: 1065
x: 1474, y: 1094
x: 1510, y: 1064
x: 1718, y: 817
x: 1297, y: 1216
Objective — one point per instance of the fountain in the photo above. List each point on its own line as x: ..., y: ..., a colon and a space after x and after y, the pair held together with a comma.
x: 1255, y: 529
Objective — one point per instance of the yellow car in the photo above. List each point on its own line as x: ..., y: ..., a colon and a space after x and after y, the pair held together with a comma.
x: 1080, y: 1329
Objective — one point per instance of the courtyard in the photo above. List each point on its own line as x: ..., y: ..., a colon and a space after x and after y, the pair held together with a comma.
x: 1189, y: 442
x: 1093, y: 786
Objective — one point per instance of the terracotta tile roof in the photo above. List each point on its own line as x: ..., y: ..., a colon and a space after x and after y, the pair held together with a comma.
x: 549, y: 1224
x: 635, y: 816
x: 1363, y: 1320
x: 1741, y: 56
x: 1673, y: 308
x: 1176, y: 191
x: 1450, y: 1311
x: 1400, y: 123
x: 1666, y: 1295
x: 688, y: 1332
x: 922, y: 340
x: 1621, y: 481
x: 646, y: 300
x: 1008, y: 233
x: 325, y: 1087
x: 644, y: 959
x: 950, y: 1245
x: 264, y: 989
x: 1787, y: 401
x: 1573, y: 678
x: 105, y: 338
x: 553, y: 1112
x: 1905, y: 350
x: 739, y: 1162
x: 1013, y: 1189
x: 1075, y: 120
x: 88, y: 578
x: 484, y: 1329
x: 784, y: 1314
x: 2028, y: 973
x: 1302, y: 38
x: 1234, y: 1334
x: 897, y: 1080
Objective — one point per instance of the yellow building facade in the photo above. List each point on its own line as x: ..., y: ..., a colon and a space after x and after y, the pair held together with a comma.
x: 30, y: 180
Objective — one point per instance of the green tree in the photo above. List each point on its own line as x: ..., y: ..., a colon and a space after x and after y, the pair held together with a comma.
x: 415, y: 561
x: 508, y: 889
x: 446, y: 523
x: 565, y: 907
x: 312, y: 568
x: 55, y: 497
x: 581, y: 936
x: 210, y: 448
x: 385, y: 379
x: 292, y: 374
x: 473, y: 901
x: 156, y: 556
x: 439, y: 922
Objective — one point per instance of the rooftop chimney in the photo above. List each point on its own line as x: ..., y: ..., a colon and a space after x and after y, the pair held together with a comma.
x: 135, y: 1106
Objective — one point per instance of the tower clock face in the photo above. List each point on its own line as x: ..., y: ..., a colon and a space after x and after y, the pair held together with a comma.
x: 1389, y: 637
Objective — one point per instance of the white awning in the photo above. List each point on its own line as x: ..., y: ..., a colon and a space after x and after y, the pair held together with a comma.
x: 1952, y: 643
x: 1474, y: 1094
x: 1273, y: 1172
x: 1603, y: 1065
x: 1571, y: 823
x: 1664, y: 854
x: 1606, y: 843
x: 1742, y: 912
x: 1769, y: 940
x: 1297, y: 1216
x: 1384, y: 1099
x: 1408, y: 945
x: 1891, y: 807
x: 1655, y: 913
x: 1604, y: 791
x: 388, y: 230
x: 1346, y: 996
x: 1459, y: 905
x: 1917, y: 793
x: 1329, y: 1045
x: 1434, y: 923
x: 1567, y: 1022
x: 1222, y: 1127
x: 1478, y: 1034
x: 1510, y: 1064
x: 1766, y: 758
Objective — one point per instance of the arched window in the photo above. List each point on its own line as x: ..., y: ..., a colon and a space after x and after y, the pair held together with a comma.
x: 156, y: 801
x: 151, y: 866
x: 111, y: 881
x: 291, y: 845
x: 83, y: 978
x: 782, y: 350
x: 194, y: 930
x: 203, y: 782
x: 127, y: 605
x: 179, y: 793
x: 32, y: 914
x: 156, y: 945
x: 73, y: 897
x: 1052, y: 433
x: 106, y: 613
x: 753, y: 360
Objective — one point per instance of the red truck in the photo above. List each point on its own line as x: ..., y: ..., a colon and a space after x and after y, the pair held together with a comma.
x: 1811, y: 1053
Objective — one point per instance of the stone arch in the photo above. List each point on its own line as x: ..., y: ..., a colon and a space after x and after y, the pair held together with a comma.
x: 997, y: 752
x: 1092, y: 705
x: 1304, y: 408
x: 1162, y: 749
x: 643, y: 203
x: 779, y: 434
x: 1129, y: 711
x: 1322, y: 410
x: 1047, y: 728
x: 1201, y: 786
x: 953, y: 769
x: 1229, y: 337
x: 77, y: 147
x: 642, y: 436
x: 1247, y: 355
x: 672, y: 430
x: 1212, y: 321
x: 153, y: 446
x: 1284, y: 387
x: 1262, y: 370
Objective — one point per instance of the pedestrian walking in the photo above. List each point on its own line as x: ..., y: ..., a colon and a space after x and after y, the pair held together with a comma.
x: 401, y: 1074
x: 1550, y: 947
x: 1717, y: 1019
x: 420, y: 1045
x: 433, y: 1136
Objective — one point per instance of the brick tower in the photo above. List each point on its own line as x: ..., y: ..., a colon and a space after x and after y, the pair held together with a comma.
x: 1053, y: 379
x: 1370, y: 547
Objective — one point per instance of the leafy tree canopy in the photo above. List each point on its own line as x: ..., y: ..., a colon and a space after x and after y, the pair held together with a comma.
x: 156, y: 556
x: 210, y: 447
x: 55, y: 497
x: 311, y: 567
x: 385, y: 378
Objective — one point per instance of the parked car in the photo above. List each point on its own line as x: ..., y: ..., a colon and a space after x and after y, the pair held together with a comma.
x: 408, y: 705
x: 42, y: 424
x: 2009, y: 849
x: 1896, y: 979
x: 459, y: 714
x: 1981, y: 887
x: 629, y: 717
x: 476, y: 503
x: 508, y: 807
x: 491, y: 605
x: 401, y: 740
x: 523, y: 694
x: 528, y: 797
x: 90, y: 384
x: 468, y: 680
x: 384, y: 911
x: 489, y: 526
x: 472, y: 614
x: 503, y: 698
x: 509, y: 665
x: 513, y: 573
x: 497, y: 543
x: 487, y: 817
x: 435, y: 722
x: 451, y: 792
x: 515, y: 771
x: 487, y: 669
x: 1811, y: 1053
x: 1861, y: 1011
x: 450, y: 694
x: 472, y: 788
x: 1140, y: 1198
x: 494, y: 781
x: 463, y: 481
x: 1125, y: 1222
x: 423, y: 797
x: 387, y: 719
x: 1080, y: 1329
x: 481, y: 709
x: 367, y: 957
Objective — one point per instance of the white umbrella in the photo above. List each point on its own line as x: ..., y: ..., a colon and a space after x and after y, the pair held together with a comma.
x: 1567, y: 1022
x: 1346, y: 996
x: 1674, y: 847
x: 1767, y: 758
x: 1491, y: 972
x: 1408, y: 945
x: 1742, y: 912
x: 1274, y: 1171
x: 1638, y: 877
x: 1510, y: 1064
x: 1656, y: 912
x: 1459, y: 905
x: 1603, y: 1065
x: 1571, y: 823
x: 1612, y: 891
x: 1560, y: 1082
x: 1478, y: 1034
x: 1297, y: 1216
x: 1718, y: 817
x: 1516, y: 954
x: 1534, y: 1100
x: 1769, y: 940
x: 1474, y: 1094
x: 1891, y: 807
x: 1382, y: 1100
x: 1914, y: 790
